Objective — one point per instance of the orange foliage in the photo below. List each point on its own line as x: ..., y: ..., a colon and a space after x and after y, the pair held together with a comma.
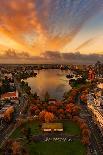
x: 83, y: 126
x: 86, y: 132
x: 59, y: 104
x: 46, y: 116
x: 42, y: 115
x: 61, y: 111
x: 49, y: 117
x: 83, y: 98
x: 52, y: 108
x: 72, y: 109
x: 16, y: 147
x: 33, y: 109
x: 85, y: 140
x: 8, y: 113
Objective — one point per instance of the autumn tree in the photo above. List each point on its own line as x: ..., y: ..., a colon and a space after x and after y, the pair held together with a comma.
x: 49, y: 117
x: 72, y: 109
x: 52, y: 108
x: 85, y: 140
x: 8, y: 113
x: 42, y: 115
x: 85, y: 132
x: 16, y: 147
x: 33, y: 108
x: 83, y: 126
x: 46, y: 116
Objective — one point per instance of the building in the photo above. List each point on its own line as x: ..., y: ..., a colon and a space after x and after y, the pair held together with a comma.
x: 52, y: 101
x: 9, y: 95
x: 95, y: 106
x: 97, y: 114
x: 48, y: 127
x: 91, y: 75
x: 99, y: 69
x: 12, y: 96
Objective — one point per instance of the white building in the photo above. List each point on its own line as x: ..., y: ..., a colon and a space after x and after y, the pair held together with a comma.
x: 94, y: 104
x: 100, y: 85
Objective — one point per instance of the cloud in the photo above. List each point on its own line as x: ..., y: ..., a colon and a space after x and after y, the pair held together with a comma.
x: 12, y: 56
x: 52, y: 55
x: 92, y: 43
x: 47, y: 24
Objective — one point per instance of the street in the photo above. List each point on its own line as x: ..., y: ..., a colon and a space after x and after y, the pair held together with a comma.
x: 96, y: 139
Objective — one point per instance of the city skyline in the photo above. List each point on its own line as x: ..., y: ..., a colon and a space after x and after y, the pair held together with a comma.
x: 35, y: 26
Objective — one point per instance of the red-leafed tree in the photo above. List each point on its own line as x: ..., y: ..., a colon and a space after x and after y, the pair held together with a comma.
x: 46, y: 116
x: 33, y: 109
x: 52, y: 108
x: 49, y: 117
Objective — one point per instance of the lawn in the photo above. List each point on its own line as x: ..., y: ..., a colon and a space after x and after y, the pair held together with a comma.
x: 69, y: 127
x: 53, y: 148
x: 35, y: 130
x: 57, y: 148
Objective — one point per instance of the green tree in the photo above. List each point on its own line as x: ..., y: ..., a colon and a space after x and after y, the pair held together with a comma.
x: 46, y: 97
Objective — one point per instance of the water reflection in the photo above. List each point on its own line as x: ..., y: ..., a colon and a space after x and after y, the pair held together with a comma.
x: 53, y: 81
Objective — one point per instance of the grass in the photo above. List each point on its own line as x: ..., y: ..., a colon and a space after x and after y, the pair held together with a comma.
x: 57, y: 148
x: 71, y: 128
x: 53, y: 148
x: 35, y: 130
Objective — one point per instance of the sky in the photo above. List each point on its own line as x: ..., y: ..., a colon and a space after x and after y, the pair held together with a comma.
x: 33, y: 27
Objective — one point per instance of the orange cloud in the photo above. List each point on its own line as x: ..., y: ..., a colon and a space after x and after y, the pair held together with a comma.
x: 20, y: 19
x: 38, y: 25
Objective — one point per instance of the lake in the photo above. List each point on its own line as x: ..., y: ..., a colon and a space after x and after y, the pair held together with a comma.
x: 52, y: 80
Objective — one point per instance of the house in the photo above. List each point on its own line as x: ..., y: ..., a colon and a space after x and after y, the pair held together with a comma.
x: 12, y: 96
x: 52, y: 101
x: 47, y: 127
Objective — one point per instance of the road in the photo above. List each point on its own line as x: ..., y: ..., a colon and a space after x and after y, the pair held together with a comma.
x: 96, y: 139
x: 8, y: 127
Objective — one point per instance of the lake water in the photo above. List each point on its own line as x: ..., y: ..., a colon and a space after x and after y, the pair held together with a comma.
x: 51, y: 80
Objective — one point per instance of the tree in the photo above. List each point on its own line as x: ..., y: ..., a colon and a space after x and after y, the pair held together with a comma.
x: 83, y: 126
x: 8, y: 113
x: 35, y: 96
x: 85, y: 140
x: 42, y: 115
x: 83, y: 98
x: 72, y: 109
x: 66, y: 95
x: 46, y: 97
x: 46, y: 116
x: 7, y: 147
x: 86, y: 132
x: 16, y: 147
x: 33, y: 109
x: 52, y: 108
x: 49, y: 117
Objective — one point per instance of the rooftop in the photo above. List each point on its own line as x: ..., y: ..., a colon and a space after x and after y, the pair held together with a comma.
x: 52, y: 126
x: 9, y: 95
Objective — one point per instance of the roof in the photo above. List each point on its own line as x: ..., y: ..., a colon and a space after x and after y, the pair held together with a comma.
x: 52, y: 126
x: 9, y: 95
x: 4, y: 109
x: 52, y: 99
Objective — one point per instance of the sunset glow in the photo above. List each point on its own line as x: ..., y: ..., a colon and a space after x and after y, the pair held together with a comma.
x: 36, y: 26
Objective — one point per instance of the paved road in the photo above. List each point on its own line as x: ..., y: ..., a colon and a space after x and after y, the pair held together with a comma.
x: 7, y: 127
x: 96, y: 145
